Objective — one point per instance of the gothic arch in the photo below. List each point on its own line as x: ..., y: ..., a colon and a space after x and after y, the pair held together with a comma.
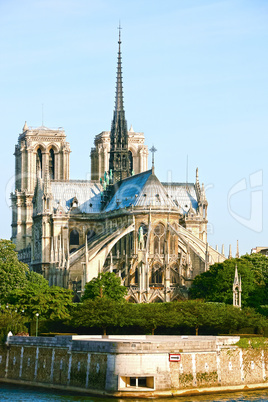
x: 159, y: 236
x: 157, y: 298
x: 39, y: 166
x: 156, y: 274
x: 74, y: 237
x: 51, y: 163
x: 53, y: 146
x: 41, y: 146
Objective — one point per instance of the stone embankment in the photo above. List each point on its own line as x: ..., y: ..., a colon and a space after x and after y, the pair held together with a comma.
x: 134, y: 366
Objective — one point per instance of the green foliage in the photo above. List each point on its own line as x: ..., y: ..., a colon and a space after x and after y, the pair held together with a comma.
x: 27, y: 291
x: 33, y: 278
x: 11, y: 320
x: 12, y: 271
x: 151, y: 316
x: 253, y: 343
x: 216, y: 285
x: 52, y: 303
x: 106, y: 285
x: 102, y: 313
x: 214, y: 317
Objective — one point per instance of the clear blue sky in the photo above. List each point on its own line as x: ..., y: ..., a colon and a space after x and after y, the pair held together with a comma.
x: 195, y: 82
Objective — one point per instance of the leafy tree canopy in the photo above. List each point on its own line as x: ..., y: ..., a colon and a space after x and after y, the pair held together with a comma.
x: 216, y: 285
x: 106, y: 313
x: 52, y: 303
x: 106, y: 285
x: 35, y: 279
x: 12, y: 271
x: 102, y: 313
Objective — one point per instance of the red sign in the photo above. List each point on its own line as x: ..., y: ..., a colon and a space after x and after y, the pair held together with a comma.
x: 174, y: 357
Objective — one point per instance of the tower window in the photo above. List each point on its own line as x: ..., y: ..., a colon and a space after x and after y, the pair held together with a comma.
x: 130, y: 158
x: 39, y: 162
x: 52, y: 164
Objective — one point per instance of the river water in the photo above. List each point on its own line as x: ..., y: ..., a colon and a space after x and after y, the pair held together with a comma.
x: 13, y: 393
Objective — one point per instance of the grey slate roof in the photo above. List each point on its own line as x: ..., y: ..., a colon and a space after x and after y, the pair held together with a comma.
x: 87, y: 194
x: 141, y: 190
x: 183, y: 194
x: 146, y: 190
x: 128, y: 191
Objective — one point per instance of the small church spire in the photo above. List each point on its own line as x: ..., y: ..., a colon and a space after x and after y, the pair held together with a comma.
x: 237, y: 289
x: 230, y: 252
x: 25, y: 127
x: 237, y: 250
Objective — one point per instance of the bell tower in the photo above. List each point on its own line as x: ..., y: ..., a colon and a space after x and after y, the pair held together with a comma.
x: 38, y: 149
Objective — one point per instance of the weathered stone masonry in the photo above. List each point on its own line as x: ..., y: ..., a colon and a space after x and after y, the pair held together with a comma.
x: 137, y: 365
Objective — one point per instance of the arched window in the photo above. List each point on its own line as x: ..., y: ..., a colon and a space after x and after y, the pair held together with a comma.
x: 52, y: 164
x: 156, y: 275
x: 74, y: 238
x: 159, y: 239
x: 174, y: 274
x: 136, y: 276
x: 117, y: 161
x: 130, y: 158
x: 39, y: 162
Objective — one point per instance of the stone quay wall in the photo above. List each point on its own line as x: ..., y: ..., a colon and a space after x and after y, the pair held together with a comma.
x: 133, y: 365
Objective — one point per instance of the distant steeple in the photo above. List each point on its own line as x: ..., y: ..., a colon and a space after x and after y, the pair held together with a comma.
x: 120, y: 161
x: 230, y: 252
x: 237, y: 250
x: 237, y: 289
x: 25, y: 127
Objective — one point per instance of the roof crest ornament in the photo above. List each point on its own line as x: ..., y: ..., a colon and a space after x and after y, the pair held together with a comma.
x: 153, y: 150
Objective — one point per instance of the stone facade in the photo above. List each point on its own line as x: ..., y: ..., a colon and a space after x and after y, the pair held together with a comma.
x: 138, y: 366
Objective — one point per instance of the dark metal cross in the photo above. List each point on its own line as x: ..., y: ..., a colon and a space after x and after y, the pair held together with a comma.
x: 153, y: 150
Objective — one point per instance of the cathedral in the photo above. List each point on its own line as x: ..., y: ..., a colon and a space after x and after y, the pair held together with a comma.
x: 153, y: 235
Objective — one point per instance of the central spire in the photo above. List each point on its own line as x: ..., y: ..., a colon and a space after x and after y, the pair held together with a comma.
x: 119, y: 161
x: 119, y: 106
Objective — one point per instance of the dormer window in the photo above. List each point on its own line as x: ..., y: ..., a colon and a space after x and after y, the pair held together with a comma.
x: 74, y: 203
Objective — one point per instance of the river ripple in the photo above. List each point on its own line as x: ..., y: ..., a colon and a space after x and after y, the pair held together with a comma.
x: 20, y: 394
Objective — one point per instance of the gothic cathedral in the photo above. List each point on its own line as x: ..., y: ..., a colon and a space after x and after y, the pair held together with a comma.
x: 153, y: 235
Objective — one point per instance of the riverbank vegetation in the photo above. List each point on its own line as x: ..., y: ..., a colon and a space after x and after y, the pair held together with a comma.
x: 27, y: 302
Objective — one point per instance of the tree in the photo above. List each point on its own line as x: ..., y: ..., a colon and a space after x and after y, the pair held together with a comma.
x: 36, y: 279
x: 216, y: 285
x: 259, y: 264
x: 153, y: 315
x: 51, y: 303
x: 12, y: 271
x: 102, y: 313
x: 11, y: 320
x: 106, y: 285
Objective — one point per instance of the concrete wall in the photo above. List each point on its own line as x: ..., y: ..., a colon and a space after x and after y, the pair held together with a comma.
x: 112, y: 364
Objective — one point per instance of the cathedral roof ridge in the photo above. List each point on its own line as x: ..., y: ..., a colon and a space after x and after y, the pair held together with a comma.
x: 173, y: 183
